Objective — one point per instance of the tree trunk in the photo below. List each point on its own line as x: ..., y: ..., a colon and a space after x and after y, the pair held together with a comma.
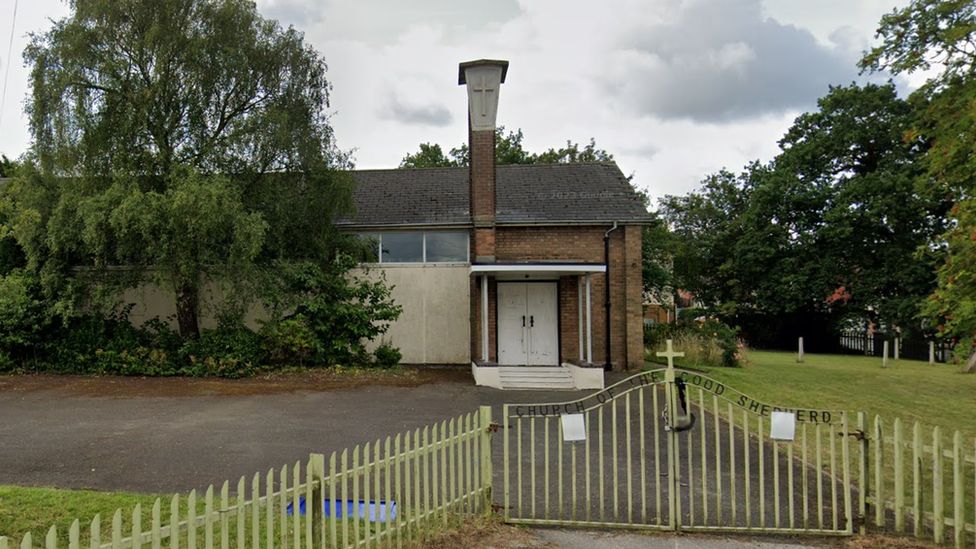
x: 187, y: 305
x: 970, y: 367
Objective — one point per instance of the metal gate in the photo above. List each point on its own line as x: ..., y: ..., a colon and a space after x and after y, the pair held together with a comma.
x: 619, y: 458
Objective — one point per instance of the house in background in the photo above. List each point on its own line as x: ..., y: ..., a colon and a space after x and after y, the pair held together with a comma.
x: 509, y: 268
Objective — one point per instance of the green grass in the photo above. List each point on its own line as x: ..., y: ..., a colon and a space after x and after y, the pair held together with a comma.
x: 35, y: 510
x: 913, y: 390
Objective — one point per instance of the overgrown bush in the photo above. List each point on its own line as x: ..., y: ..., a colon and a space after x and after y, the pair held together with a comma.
x: 704, y: 340
x: 290, y: 341
x: 22, y: 317
x: 334, y: 315
x: 387, y: 356
x: 343, y: 310
x: 97, y: 344
x: 232, y: 352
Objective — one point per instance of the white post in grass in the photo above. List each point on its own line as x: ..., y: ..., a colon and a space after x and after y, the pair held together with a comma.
x: 884, y: 358
x: 932, y: 352
x: 897, y: 345
x: 799, y: 354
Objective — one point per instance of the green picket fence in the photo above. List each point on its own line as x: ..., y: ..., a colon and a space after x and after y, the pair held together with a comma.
x: 917, y: 482
x: 414, y: 484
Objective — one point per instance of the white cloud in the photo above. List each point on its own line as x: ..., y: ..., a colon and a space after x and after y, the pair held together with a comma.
x: 675, y: 89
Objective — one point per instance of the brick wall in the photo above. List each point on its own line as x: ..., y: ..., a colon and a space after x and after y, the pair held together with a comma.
x: 482, y: 188
x: 580, y: 244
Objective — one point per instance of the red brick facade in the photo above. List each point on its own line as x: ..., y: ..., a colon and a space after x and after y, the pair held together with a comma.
x: 580, y: 244
x: 482, y: 178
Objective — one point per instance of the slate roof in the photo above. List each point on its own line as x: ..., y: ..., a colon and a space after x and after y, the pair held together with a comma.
x: 537, y: 193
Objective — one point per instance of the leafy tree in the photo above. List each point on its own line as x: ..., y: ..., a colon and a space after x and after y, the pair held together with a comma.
x: 942, y: 34
x: 706, y: 224
x: 657, y: 254
x: 571, y: 154
x: 429, y: 156
x: 508, y: 150
x: 842, y: 198
x: 828, y: 230
x: 135, y: 107
x: 8, y: 167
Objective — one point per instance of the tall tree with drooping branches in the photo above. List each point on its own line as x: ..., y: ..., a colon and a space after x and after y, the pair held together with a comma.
x: 161, y: 131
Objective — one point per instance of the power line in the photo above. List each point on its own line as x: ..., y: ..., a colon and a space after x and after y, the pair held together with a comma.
x: 10, y: 49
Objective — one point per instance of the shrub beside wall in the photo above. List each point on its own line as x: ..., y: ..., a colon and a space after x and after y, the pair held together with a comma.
x: 333, y: 317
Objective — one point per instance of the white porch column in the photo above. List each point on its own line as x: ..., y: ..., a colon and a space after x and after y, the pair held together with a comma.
x: 589, y: 322
x: 579, y: 307
x: 484, y: 318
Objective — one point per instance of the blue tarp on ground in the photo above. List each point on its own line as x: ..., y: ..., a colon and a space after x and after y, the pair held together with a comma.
x: 375, y: 511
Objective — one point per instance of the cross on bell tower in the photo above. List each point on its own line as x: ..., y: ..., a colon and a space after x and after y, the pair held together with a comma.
x: 483, y: 78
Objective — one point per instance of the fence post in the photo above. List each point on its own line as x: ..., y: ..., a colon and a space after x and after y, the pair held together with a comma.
x: 932, y: 352
x: 879, y: 504
x: 884, y: 359
x: 862, y: 426
x: 486, y: 470
x: 958, y: 503
x: 938, y: 497
x: 899, y: 454
x: 897, y: 346
x: 314, y: 508
x: 799, y: 356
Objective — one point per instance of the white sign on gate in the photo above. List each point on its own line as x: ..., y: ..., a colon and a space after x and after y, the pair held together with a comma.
x: 574, y: 428
x: 782, y: 426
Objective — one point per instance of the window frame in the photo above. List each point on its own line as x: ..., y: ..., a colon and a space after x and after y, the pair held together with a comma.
x: 378, y: 236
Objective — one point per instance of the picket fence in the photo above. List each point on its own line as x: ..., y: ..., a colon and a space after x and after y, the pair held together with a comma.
x: 916, y: 483
x: 399, y: 490
x: 418, y: 483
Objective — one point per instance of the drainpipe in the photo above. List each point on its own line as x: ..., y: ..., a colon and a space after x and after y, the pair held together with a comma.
x: 606, y: 259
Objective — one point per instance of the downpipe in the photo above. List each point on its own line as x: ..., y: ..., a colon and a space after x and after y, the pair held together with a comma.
x: 606, y: 260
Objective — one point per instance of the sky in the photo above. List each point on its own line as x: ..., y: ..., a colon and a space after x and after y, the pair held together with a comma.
x: 674, y: 89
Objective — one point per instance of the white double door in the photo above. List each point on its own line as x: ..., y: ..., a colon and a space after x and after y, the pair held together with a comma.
x: 528, y: 323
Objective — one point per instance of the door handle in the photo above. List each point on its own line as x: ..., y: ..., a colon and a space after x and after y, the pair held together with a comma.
x: 523, y: 321
x: 531, y: 322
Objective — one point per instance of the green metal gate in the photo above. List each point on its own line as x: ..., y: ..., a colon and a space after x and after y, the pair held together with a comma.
x: 636, y: 465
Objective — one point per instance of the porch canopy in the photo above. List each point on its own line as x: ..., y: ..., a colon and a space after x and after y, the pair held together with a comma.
x: 536, y: 271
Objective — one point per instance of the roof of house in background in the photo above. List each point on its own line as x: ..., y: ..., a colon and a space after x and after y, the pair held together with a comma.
x: 534, y: 193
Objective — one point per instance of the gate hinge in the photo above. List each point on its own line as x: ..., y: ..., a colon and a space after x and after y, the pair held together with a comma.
x: 858, y: 435
x: 494, y: 427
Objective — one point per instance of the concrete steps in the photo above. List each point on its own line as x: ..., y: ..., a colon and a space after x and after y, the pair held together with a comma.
x: 536, y: 377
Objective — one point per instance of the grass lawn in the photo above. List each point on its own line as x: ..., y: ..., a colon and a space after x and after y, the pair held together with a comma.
x: 35, y: 510
x: 913, y: 390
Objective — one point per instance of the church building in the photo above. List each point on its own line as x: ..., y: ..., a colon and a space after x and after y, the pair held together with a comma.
x: 530, y: 274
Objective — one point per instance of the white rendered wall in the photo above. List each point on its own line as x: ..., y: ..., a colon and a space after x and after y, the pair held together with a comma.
x: 435, y: 327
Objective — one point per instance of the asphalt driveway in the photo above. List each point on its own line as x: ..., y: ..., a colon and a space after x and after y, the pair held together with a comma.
x: 173, y: 435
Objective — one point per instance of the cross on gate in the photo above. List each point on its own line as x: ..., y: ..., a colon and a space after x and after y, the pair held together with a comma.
x: 484, y: 90
x: 670, y: 354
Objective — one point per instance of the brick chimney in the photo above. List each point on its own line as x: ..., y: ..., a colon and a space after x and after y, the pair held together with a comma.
x: 483, y: 79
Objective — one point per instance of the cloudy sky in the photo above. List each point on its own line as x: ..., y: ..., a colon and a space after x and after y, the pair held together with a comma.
x: 674, y: 89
